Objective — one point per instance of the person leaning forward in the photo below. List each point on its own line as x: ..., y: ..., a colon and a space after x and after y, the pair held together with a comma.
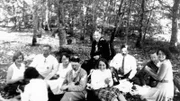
x: 75, y: 82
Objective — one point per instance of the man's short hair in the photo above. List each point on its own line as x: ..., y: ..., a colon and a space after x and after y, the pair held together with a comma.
x: 75, y: 58
x: 124, y: 46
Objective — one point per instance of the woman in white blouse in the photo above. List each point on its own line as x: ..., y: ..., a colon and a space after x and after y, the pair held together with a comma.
x: 15, y: 74
x: 64, y: 67
x: 101, y: 83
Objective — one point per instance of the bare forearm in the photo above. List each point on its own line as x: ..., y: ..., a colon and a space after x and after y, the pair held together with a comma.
x: 12, y: 81
x: 132, y: 74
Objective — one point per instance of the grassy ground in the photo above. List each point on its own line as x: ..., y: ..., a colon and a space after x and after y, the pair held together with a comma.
x: 10, y: 42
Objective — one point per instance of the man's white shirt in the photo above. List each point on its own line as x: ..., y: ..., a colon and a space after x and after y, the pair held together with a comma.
x: 129, y: 64
x: 46, y: 66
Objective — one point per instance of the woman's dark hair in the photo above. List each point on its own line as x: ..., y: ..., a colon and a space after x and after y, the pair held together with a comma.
x: 31, y: 73
x: 166, y: 52
x: 75, y: 58
x: 16, y: 55
x: 66, y: 55
x: 103, y: 60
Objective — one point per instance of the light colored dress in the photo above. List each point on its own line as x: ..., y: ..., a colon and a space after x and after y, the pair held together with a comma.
x: 55, y: 85
x: 164, y: 91
x: 17, y: 72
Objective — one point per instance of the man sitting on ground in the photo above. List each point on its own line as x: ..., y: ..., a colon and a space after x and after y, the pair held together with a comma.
x: 124, y: 63
x: 154, y: 64
x: 75, y: 82
x: 46, y: 64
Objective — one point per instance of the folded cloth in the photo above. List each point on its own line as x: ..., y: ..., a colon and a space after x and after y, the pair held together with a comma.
x: 125, y: 86
x: 140, y: 90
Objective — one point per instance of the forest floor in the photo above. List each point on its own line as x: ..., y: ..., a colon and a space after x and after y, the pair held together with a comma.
x: 12, y: 41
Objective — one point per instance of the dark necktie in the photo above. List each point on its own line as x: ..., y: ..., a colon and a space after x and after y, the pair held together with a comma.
x: 122, y: 69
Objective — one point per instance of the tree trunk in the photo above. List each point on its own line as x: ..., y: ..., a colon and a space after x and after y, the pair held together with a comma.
x: 94, y: 25
x: 139, y: 42
x: 117, y: 22
x: 127, y: 27
x: 174, y: 35
x: 62, y: 33
x: 47, y: 16
x: 35, y: 26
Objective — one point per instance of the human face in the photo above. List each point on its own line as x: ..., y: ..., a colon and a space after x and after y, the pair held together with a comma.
x: 19, y: 59
x: 96, y: 36
x: 161, y: 56
x: 102, y: 65
x: 124, y: 51
x: 75, y: 66
x: 154, y: 57
x: 65, y: 60
x: 46, y: 51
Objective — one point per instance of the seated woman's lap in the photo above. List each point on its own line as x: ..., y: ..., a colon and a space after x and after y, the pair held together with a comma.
x: 108, y: 93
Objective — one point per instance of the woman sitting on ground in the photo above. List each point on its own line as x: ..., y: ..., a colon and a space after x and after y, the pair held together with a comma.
x: 36, y: 89
x: 15, y: 74
x: 164, y: 91
x: 101, y: 83
x: 64, y: 67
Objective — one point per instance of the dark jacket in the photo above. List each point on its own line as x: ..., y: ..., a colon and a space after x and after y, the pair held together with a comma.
x: 146, y: 78
x: 103, y: 49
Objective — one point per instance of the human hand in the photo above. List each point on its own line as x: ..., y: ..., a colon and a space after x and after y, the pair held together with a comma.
x: 107, y: 81
x: 88, y: 86
x: 56, y: 76
x: 147, y: 69
x: 96, y: 57
x: 20, y: 79
x: 64, y: 88
x: 19, y: 90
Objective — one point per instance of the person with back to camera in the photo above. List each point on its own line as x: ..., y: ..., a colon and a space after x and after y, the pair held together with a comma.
x: 102, y: 83
x: 164, y: 91
x: 75, y: 82
x: 36, y: 88
x: 15, y: 74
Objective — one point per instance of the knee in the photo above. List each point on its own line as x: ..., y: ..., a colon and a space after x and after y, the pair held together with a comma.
x: 114, y: 99
x: 67, y: 96
x: 71, y: 96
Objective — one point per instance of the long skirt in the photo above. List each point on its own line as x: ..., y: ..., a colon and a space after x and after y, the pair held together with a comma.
x: 108, y: 93
x: 162, y: 92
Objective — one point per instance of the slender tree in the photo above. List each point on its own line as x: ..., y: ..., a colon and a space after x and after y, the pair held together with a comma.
x: 174, y: 35
x: 139, y: 40
x: 60, y: 21
x: 35, y: 26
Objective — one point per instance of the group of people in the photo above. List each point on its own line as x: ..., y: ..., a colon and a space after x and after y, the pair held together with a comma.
x: 100, y: 75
